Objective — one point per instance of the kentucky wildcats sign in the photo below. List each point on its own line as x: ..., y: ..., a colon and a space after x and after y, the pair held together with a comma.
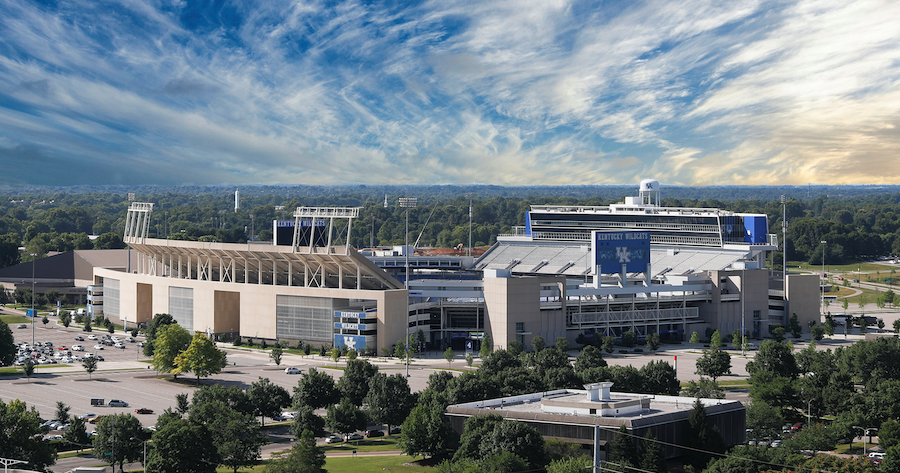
x: 353, y: 342
x: 613, y: 249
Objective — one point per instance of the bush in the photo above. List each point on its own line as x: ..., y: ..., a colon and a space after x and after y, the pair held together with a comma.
x: 263, y: 344
x: 238, y: 341
x: 623, y: 351
x: 638, y: 350
x: 249, y: 342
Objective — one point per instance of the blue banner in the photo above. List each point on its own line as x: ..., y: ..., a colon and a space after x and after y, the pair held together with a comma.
x: 613, y: 249
x: 353, y: 342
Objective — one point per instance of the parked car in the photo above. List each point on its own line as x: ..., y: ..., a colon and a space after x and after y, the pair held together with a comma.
x: 333, y: 439
x: 143, y: 410
x: 120, y: 345
x: 293, y: 370
x: 77, y: 348
x: 98, y: 347
x: 22, y: 326
x: 129, y: 339
x: 79, y: 338
x: 117, y: 403
x: 88, y: 416
x: 92, y: 337
x: 395, y: 430
x: 374, y: 433
x: 354, y: 436
x: 775, y: 443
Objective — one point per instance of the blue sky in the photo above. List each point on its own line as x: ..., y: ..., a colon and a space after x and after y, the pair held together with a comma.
x: 442, y: 92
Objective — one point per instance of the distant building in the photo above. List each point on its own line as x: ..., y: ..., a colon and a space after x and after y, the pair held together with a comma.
x: 571, y: 414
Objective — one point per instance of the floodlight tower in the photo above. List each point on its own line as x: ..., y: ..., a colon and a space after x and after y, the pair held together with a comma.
x: 407, y: 203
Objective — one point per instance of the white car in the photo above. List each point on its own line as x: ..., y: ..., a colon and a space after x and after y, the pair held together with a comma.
x: 98, y: 347
x: 120, y: 345
x: 292, y: 370
x: 333, y: 439
x: 92, y: 337
x: 77, y: 348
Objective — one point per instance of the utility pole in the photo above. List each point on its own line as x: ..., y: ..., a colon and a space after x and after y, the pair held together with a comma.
x: 407, y: 203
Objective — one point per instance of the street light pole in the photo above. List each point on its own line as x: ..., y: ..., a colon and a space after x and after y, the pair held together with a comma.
x: 407, y: 203
x: 33, y: 257
x: 824, y: 243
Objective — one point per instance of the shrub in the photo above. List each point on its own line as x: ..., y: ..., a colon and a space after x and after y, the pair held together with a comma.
x: 238, y: 341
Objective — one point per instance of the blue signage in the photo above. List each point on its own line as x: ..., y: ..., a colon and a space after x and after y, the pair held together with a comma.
x: 353, y: 342
x: 468, y: 346
x: 613, y: 249
x: 349, y: 326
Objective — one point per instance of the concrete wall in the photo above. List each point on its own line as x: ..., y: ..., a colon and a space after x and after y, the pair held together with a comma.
x: 252, y: 307
x: 515, y: 300
x: 728, y: 306
x: 804, y: 299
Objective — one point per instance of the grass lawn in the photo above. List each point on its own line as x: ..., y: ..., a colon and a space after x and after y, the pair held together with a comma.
x: 14, y: 319
x: 367, y: 445
x: 843, y: 268
x: 371, y: 464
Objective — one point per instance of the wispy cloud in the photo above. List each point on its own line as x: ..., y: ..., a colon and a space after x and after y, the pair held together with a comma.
x: 506, y: 92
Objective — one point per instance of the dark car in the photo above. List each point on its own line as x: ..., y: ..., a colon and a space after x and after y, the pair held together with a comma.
x: 374, y: 433
x: 79, y: 338
x: 395, y: 430
x: 143, y: 410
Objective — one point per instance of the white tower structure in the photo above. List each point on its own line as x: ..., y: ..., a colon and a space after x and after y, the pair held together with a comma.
x: 237, y: 200
x: 649, y: 192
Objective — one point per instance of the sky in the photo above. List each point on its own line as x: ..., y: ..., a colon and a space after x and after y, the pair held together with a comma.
x: 506, y: 92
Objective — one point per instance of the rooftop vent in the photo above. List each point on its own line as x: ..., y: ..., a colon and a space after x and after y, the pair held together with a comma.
x: 598, y: 391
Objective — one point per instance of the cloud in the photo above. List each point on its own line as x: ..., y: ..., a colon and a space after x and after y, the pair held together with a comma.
x: 508, y: 92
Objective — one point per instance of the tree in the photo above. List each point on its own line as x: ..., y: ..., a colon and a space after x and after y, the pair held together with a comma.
x: 538, y: 343
x: 305, y: 457
x: 488, y: 435
x: 87, y: 326
x: 590, y: 357
x: 701, y: 437
x: 651, y: 454
x: 815, y: 437
x: 389, y: 400
x: 345, y: 417
x: 715, y: 341
x: 817, y: 332
x: 117, y: 439
x: 306, y: 419
x: 276, y: 354
x: 628, y: 339
x: 764, y: 420
x: 487, y: 346
x: 515, y: 347
x: 181, y: 404
x: 695, y: 338
x: 794, y: 324
x: 570, y: 465
x: 90, y: 365
x: 652, y: 342
x: 182, y: 446
x: 609, y: 344
x: 659, y: 377
x: 7, y: 345
x: 28, y: 369
x: 623, y: 451
x: 705, y: 388
x: 232, y: 396
x: 448, y: 355
x: 236, y: 435
x: 170, y: 341
x: 714, y: 363
x: 76, y: 434
x: 891, y: 462
x: 426, y: 433
x: 267, y: 399
x: 400, y: 350
x: 156, y: 323
x: 314, y: 389
x: 736, y: 339
x: 354, y: 384
x: 202, y: 357
x: 45, y: 320
x: 19, y: 428
x: 889, y: 434
x: 62, y: 412
x: 335, y: 354
x: 776, y: 357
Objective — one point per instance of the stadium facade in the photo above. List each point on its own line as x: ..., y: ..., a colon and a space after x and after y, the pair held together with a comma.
x: 569, y: 271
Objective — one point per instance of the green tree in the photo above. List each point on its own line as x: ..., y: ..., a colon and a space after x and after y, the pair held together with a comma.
x: 389, y: 399
x: 182, y: 406
x: 335, y: 354
x: 659, y: 377
x: 28, y: 369
x: 267, y: 399
x: 182, y: 446
x: 232, y: 396
x: 448, y: 355
x: 354, y: 384
x: 306, y: 419
x: 62, y: 412
x: 714, y: 363
x: 487, y: 346
x: 652, y: 342
x: 305, y: 457
x: 715, y: 341
x: 817, y: 332
x: 118, y: 439
x: 695, y: 338
x: 651, y: 454
x: 579, y: 464
x: 90, y: 365
x: 487, y: 435
x: 201, y: 357
x: 538, y: 343
x: 777, y: 357
x: 891, y: 462
x: 19, y: 427
x: 628, y: 339
x: 815, y: 437
x: 171, y: 340
x: 345, y: 417
x: 236, y: 435
x: 562, y: 344
x: 736, y: 339
x: 589, y: 357
x: 315, y: 389
x: 705, y: 388
x: 609, y: 344
x: 426, y: 433
x: 623, y: 451
x: 889, y: 434
x: 276, y: 355
x: 764, y: 420
x: 157, y: 322
x: 76, y: 434
x: 515, y: 347
x: 7, y: 345
x: 701, y: 437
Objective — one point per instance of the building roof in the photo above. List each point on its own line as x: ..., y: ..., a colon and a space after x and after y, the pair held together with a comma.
x: 574, y: 259
x: 66, y: 268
